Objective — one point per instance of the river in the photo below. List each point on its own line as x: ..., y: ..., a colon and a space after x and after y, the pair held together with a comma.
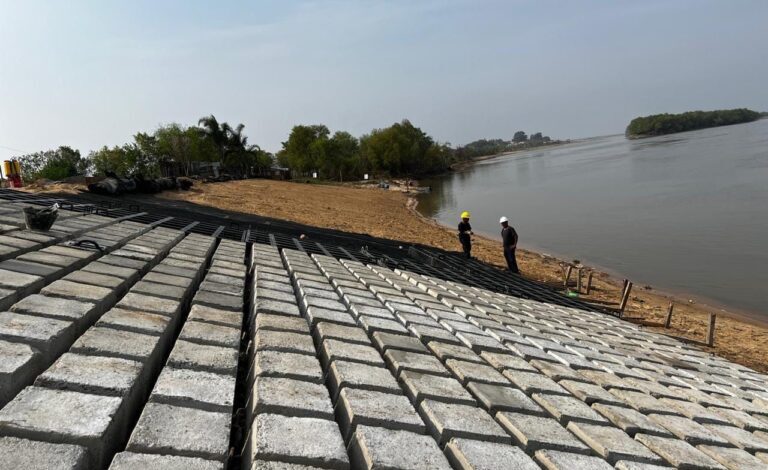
x: 684, y: 213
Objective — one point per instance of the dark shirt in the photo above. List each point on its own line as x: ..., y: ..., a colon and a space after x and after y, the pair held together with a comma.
x: 464, y: 229
x: 508, y: 237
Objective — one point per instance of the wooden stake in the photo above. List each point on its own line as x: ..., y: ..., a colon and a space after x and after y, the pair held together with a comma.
x: 589, y: 282
x: 625, y: 297
x: 668, y: 321
x: 568, y: 275
x: 711, y: 330
x: 578, y: 281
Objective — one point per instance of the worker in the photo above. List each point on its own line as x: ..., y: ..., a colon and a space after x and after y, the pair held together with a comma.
x: 465, y: 232
x: 509, y: 241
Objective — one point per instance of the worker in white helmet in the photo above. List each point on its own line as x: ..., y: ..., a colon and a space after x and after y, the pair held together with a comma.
x: 509, y: 241
x: 465, y: 234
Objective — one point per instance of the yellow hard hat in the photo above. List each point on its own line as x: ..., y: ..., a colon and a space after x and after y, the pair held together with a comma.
x: 465, y: 215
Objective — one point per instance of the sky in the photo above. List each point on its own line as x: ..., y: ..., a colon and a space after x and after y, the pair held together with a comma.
x: 93, y: 73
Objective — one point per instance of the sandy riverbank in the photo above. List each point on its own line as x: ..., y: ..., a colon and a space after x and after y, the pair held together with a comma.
x: 393, y: 215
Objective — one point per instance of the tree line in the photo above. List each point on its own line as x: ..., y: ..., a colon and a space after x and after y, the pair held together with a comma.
x: 660, y: 124
x: 399, y: 150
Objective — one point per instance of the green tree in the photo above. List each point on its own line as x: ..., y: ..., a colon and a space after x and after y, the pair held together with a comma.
x: 53, y: 164
x: 305, y: 148
x: 519, y: 137
x: 341, y: 156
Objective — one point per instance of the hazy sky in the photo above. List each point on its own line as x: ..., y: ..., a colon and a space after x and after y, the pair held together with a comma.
x: 88, y: 74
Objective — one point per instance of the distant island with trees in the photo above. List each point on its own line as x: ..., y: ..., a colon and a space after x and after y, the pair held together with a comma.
x: 661, y: 124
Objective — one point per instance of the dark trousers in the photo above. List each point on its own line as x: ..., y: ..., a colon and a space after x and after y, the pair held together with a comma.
x: 467, y: 249
x: 509, y: 255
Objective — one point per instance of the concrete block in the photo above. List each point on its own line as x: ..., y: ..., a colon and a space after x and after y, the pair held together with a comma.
x: 7, y: 298
x: 20, y: 363
x: 47, y: 272
x: 282, y: 294
x: 235, y: 289
x: 67, y: 263
x: 137, y: 322
x: 164, y: 291
x: 447, y: 420
x: 316, y: 315
x: 733, y: 458
x: 467, y: 454
x: 644, y: 403
x: 470, y: 371
x: 151, y: 304
x: 429, y: 333
x: 65, y: 417
x: 743, y: 420
x: 195, y: 389
x: 121, y: 262
x: 269, y: 322
x: 182, y: 282
x: 92, y: 374
x: 101, y: 296
x: 333, y: 350
x: 371, y: 311
x: 345, y: 374
x: 495, y: 398
x: 689, y: 430
x: 22, y: 284
x: 213, y: 316
x: 129, y: 274
x: 627, y: 465
x: 187, y: 432
x: 696, y: 412
x: 54, y: 307
x: 743, y: 439
x: 481, y: 342
x: 276, y: 308
x: 566, y: 409
x: 434, y: 387
x: 530, y: 352
x: 268, y: 340
x: 399, y: 361
x: 286, y: 365
x: 200, y: 357
x: 613, y: 444
x: 134, y: 461
x: 171, y: 270
x: 314, y: 441
x: 35, y: 455
x: 49, y: 336
x: 530, y: 383
x: 289, y: 397
x: 95, y: 279
x: 108, y: 342
x: 348, y: 334
x: 555, y: 460
x: 374, y: 447
x: 678, y: 453
x: 357, y: 407
x: 557, y: 372
x: 214, y: 335
x: 445, y: 351
x: 630, y: 420
x: 374, y: 324
x: 591, y: 393
x: 217, y: 300
x: 533, y: 433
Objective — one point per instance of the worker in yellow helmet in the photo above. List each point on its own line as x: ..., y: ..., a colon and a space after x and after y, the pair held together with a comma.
x: 465, y: 232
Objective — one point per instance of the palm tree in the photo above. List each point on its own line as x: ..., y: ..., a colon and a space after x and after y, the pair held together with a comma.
x: 217, y: 133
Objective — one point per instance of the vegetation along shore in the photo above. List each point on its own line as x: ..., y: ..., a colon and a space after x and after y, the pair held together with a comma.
x: 661, y: 124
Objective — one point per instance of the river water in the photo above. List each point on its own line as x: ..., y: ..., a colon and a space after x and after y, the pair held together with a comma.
x: 685, y: 213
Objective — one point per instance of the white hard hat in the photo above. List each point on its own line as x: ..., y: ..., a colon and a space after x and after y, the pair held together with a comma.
x: 503, y: 219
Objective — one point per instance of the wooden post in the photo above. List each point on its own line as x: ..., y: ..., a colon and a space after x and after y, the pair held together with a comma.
x: 589, y: 282
x: 625, y: 297
x: 711, y: 330
x: 668, y: 321
x: 567, y: 275
x: 578, y: 280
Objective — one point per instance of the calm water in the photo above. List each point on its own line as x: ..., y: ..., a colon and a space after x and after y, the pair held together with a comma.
x: 686, y: 212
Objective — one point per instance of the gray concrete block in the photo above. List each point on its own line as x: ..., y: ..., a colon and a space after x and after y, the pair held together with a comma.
x: 626, y: 465
x: 20, y: 363
x: 348, y: 334
x: 194, y: 389
x: 268, y: 340
x: 289, y: 397
x: 357, y: 407
x: 530, y: 383
x: 137, y: 322
x: 495, y: 398
x: 316, y: 442
x: 429, y: 333
x: 276, y: 308
x: 54, y: 307
x: 333, y: 350
x: 555, y: 460
x: 187, y: 432
x: 533, y: 433
x: 134, y: 461
x: 696, y: 412
x: 399, y: 361
x: 644, y: 403
x: 200, y: 357
x: 22, y: 284
x: 35, y: 455
x: 95, y: 279
x: 65, y: 417
x: 151, y: 304
x: 68, y: 263
x: 591, y: 393
x: 160, y: 290
x: 101, y: 296
x: 630, y: 420
x: 743, y: 420
x: 47, y: 272
x: 689, y: 430
x: 49, y: 336
x: 119, y: 261
x: 369, y: 310
x: 613, y: 444
x: 434, y: 387
x: 470, y: 371
x: 447, y: 420
x: 214, y: 335
x: 373, y: 447
x: 743, y: 439
x: 287, y: 365
x: 566, y: 409
x: 217, y: 300
x: 214, y: 316
x: 467, y: 454
x: 384, y: 325
x: 445, y: 351
x: 316, y: 315
x: 92, y: 374
x: 733, y: 458
x: 7, y: 298
x: 129, y: 274
x: 345, y: 374
x: 98, y: 341
x: 678, y: 453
